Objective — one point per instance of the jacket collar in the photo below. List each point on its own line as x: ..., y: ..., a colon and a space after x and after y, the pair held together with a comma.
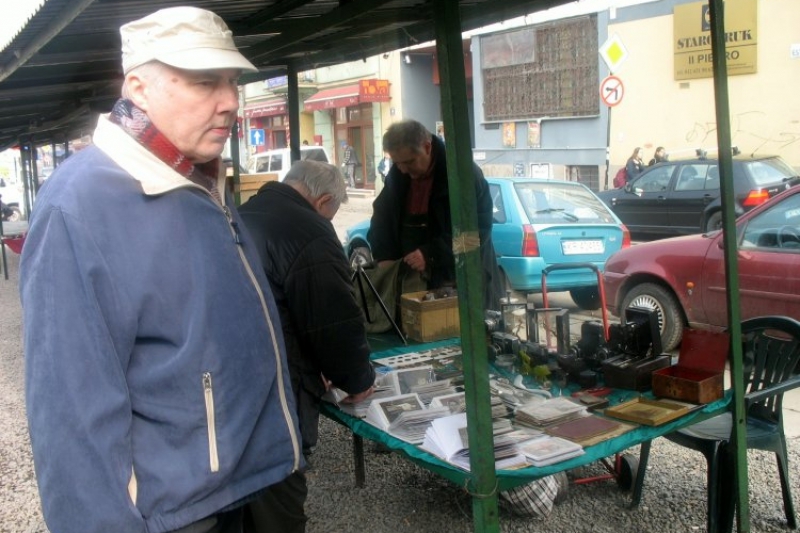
x: 155, y: 177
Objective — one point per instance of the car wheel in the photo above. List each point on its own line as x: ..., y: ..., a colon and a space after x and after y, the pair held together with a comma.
x: 361, y: 255
x: 714, y: 222
x: 587, y: 298
x: 666, y: 306
x: 505, y: 285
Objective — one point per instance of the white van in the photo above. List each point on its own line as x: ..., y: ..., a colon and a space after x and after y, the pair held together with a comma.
x: 278, y: 161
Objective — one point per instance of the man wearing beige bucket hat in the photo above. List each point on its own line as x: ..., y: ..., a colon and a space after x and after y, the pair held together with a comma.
x: 158, y: 394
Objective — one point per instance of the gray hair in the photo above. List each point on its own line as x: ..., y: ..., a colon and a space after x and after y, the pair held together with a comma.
x: 152, y: 70
x: 318, y: 179
x: 405, y: 134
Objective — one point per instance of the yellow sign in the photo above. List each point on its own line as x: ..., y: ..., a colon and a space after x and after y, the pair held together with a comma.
x: 692, y: 39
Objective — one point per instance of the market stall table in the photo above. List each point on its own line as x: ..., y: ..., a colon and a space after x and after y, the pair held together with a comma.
x: 507, y: 479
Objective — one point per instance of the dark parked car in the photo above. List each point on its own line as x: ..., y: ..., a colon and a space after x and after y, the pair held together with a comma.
x: 537, y: 223
x: 683, y: 278
x: 683, y: 197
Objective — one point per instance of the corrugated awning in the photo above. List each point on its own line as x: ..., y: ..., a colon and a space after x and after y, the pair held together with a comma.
x: 365, y: 91
x: 268, y: 108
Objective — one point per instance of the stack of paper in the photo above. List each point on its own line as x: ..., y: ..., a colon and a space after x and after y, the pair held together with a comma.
x: 403, y: 416
x: 549, y: 450
x: 458, y: 404
x: 385, y: 387
x: 427, y: 391
x: 548, y: 412
x: 447, y: 438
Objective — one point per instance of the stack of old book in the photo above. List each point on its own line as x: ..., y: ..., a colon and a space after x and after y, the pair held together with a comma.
x: 548, y: 450
x: 564, y: 418
x: 457, y: 403
x: 549, y: 412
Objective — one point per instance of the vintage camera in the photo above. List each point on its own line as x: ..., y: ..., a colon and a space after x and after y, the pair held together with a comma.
x: 638, y: 335
x: 592, y: 346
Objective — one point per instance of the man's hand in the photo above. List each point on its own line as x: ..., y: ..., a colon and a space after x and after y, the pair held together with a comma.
x: 415, y: 260
x: 360, y: 397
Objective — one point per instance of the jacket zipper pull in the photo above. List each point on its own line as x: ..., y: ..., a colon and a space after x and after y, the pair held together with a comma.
x: 236, y: 237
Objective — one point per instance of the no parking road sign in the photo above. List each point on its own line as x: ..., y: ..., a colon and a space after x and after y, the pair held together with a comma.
x: 611, y: 91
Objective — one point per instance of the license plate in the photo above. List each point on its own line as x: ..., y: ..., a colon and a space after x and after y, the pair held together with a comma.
x: 582, y: 247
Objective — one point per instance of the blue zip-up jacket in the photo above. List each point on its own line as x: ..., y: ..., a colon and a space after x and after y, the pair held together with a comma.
x: 157, y: 388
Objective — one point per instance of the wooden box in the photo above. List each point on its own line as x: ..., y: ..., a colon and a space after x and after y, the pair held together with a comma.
x: 249, y: 184
x: 429, y: 320
x: 698, y: 375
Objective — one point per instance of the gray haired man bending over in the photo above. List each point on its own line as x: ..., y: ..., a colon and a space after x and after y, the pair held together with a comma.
x: 323, y: 324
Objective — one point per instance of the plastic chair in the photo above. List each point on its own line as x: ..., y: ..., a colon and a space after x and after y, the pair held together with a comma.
x: 771, y: 351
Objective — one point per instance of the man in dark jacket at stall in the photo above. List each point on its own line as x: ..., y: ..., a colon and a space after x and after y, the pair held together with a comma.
x: 322, y: 322
x: 323, y: 326
x: 411, y: 216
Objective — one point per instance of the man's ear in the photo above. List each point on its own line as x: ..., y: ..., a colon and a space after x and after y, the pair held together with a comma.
x: 137, y: 90
x: 321, y: 201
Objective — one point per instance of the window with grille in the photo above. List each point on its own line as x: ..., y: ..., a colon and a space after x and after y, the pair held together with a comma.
x: 548, y: 70
x: 588, y: 175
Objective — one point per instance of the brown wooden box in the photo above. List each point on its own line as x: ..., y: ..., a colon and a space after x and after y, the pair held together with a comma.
x: 698, y: 375
x: 429, y: 320
x: 249, y: 184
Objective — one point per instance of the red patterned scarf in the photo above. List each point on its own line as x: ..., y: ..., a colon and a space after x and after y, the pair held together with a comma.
x: 137, y: 124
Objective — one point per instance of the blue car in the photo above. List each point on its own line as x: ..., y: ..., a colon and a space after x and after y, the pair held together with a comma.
x: 537, y: 223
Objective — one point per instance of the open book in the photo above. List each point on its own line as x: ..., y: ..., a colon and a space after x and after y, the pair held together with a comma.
x: 447, y: 439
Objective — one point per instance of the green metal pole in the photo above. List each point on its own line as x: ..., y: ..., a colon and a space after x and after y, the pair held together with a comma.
x: 237, y: 180
x: 293, y: 103
x: 739, y: 441
x: 466, y: 247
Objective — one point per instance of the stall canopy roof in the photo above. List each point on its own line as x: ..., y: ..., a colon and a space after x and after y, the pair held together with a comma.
x: 63, y: 67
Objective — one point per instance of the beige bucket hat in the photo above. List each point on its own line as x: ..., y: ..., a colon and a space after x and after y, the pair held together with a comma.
x: 184, y: 37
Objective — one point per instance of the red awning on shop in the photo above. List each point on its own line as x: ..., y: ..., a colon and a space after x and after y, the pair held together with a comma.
x: 276, y: 106
x: 362, y: 92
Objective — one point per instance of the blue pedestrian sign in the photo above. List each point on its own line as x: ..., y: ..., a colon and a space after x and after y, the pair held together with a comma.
x: 256, y: 137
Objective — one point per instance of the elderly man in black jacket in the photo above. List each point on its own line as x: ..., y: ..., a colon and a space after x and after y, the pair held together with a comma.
x: 411, y: 216
x: 323, y: 325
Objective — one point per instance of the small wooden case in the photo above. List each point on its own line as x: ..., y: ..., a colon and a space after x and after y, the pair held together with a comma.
x: 698, y: 375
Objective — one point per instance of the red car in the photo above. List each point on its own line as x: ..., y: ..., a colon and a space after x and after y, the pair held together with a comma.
x: 683, y: 278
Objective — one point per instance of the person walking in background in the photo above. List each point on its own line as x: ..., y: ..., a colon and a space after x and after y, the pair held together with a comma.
x: 157, y: 390
x: 384, y: 165
x: 350, y: 162
x: 659, y: 156
x: 411, y: 218
x: 634, y: 165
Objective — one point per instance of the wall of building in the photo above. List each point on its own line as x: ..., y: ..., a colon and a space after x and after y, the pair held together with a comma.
x: 420, y: 98
x: 563, y: 142
x: 658, y: 110
x: 680, y: 115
